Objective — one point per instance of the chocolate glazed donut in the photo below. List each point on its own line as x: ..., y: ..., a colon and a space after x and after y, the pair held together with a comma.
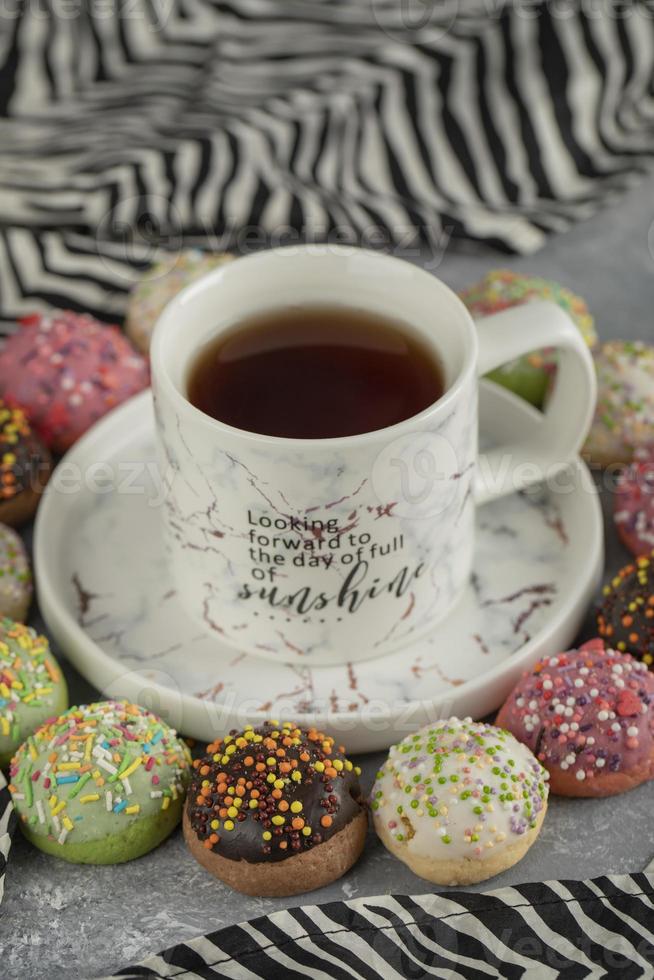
x: 275, y: 810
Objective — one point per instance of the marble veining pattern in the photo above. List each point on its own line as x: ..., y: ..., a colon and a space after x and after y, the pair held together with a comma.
x: 129, y: 606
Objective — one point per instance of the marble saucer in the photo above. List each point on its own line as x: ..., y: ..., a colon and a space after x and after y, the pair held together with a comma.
x: 108, y: 599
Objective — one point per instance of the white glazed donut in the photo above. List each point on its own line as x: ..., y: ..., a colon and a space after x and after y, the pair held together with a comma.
x: 459, y: 801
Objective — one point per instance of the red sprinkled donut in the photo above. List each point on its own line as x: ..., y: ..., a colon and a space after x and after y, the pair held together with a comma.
x: 588, y: 717
x: 634, y: 503
x: 67, y: 370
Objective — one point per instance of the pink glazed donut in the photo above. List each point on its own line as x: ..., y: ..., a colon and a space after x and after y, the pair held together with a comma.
x: 67, y: 370
x: 587, y: 715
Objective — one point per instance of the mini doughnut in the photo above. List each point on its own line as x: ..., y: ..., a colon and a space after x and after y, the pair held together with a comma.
x: 624, y: 416
x: 275, y: 810
x: 67, y: 370
x: 32, y: 687
x: 15, y: 576
x: 101, y: 784
x: 459, y: 801
x: 161, y: 283
x: 633, y: 504
x: 25, y: 467
x: 625, y: 618
x: 588, y: 716
x: 529, y: 376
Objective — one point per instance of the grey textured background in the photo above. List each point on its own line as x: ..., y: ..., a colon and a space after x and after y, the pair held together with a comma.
x: 59, y: 920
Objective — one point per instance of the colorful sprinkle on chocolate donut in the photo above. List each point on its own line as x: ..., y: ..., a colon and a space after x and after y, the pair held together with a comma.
x: 588, y: 716
x: 626, y: 615
x: 25, y: 466
x: 264, y: 794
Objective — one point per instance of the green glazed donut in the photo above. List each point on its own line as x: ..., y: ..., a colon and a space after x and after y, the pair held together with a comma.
x: 102, y: 784
x: 32, y: 686
x: 530, y: 376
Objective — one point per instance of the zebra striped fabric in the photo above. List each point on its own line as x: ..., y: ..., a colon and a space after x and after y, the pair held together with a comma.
x: 7, y: 828
x: 133, y: 127
x: 598, y: 928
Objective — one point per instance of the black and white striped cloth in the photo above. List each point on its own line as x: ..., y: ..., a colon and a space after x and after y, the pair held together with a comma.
x: 603, y: 927
x: 130, y: 127
x: 7, y: 828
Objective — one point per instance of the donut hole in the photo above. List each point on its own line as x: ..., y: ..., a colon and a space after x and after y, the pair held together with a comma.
x: 410, y: 832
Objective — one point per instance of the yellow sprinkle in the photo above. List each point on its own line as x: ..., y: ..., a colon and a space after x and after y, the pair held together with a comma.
x: 67, y: 822
x: 89, y: 798
x: 319, y: 766
x: 4, y: 724
x: 69, y: 765
x: 215, y: 824
x: 228, y: 825
x: 165, y: 803
x: 53, y: 801
x: 33, y: 752
x: 4, y: 690
x: 267, y: 835
x: 232, y: 812
x: 279, y: 784
x: 130, y: 769
x: 337, y: 764
x: 253, y: 804
x: 306, y: 831
x: 296, y: 806
x: 59, y: 807
x: 278, y: 820
x: 134, y: 808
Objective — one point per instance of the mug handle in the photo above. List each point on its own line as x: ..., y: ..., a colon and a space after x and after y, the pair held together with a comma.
x: 510, y: 334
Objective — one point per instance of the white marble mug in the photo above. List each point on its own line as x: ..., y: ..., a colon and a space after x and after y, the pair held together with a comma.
x: 332, y: 551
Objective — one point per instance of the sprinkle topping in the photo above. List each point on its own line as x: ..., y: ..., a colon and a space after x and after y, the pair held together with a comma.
x: 626, y: 616
x: 67, y: 370
x: 29, y: 678
x: 24, y: 462
x: 634, y: 503
x: 15, y: 575
x: 606, y: 725
x: 162, y: 282
x: 87, y: 772
x: 458, y: 788
x: 624, y: 417
x: 264, y: 794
